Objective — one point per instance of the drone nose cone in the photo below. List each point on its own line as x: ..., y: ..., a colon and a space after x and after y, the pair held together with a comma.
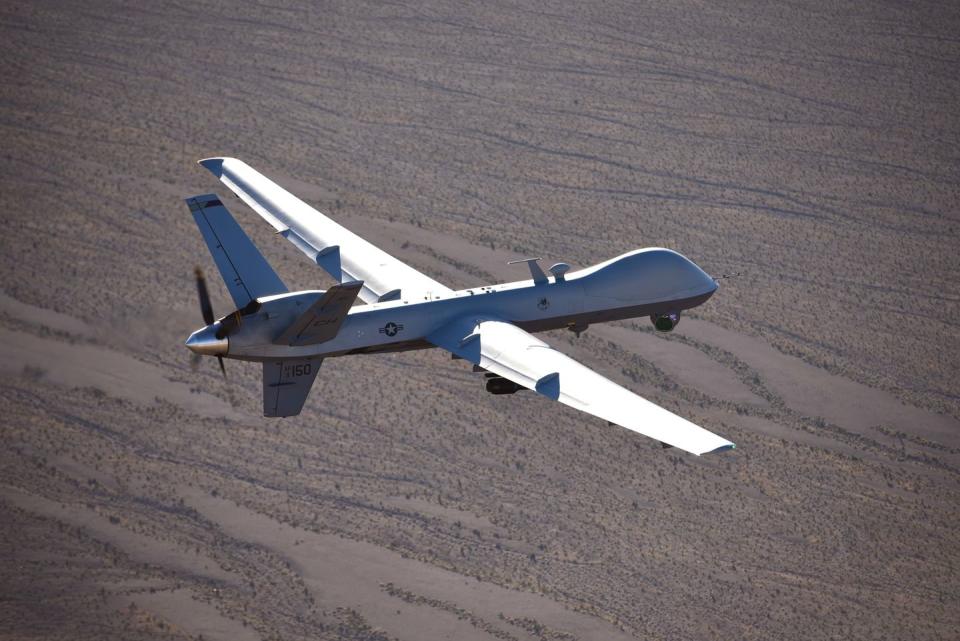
x: 700, y: 279
x: 711, y: 284
x: 204, y: 341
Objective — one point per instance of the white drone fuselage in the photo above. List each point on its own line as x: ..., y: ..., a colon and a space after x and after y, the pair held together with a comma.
x: 645, y: 282
x: 490, y: 327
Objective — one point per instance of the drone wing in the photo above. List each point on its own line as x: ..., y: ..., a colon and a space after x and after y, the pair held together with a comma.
x: 340, y: 252
x: 510, y: 352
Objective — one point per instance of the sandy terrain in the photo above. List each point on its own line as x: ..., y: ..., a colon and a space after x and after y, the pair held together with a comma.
x: 809, y: 146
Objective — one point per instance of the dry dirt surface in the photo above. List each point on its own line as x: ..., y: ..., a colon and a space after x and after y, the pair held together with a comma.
x: 810, y: 146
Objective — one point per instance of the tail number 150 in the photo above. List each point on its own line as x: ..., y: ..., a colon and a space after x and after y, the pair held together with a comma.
x: 300, y: 369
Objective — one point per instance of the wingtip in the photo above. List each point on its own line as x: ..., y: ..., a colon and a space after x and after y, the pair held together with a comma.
x: 723, y: 448
x: 202, y: 198
x: 201, y: 201
x: 214, y: 165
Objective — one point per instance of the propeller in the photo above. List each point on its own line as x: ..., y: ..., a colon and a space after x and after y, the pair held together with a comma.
x: 206, y: 309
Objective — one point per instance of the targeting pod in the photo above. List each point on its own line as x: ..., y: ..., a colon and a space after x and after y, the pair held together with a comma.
x: 665, y: 322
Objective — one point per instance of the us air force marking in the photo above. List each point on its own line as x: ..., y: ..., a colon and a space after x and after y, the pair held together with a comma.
x: 391, y: 329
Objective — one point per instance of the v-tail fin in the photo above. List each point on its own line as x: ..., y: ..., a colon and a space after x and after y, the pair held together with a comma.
x: 322, y: 320
x: 245, y: 271
x: 286, y: 384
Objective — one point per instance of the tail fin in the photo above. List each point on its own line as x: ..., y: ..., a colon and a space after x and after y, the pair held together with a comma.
x: 322, y: 320
x: 245, y: 271
x: 286, y: 384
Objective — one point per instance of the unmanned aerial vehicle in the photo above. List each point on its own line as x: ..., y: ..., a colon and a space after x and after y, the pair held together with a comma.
x: 489, y: 326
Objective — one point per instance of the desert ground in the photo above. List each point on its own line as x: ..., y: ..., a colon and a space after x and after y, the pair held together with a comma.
x: 809, y: 147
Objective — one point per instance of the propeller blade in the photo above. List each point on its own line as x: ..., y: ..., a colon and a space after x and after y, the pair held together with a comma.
x: 205, y: 307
